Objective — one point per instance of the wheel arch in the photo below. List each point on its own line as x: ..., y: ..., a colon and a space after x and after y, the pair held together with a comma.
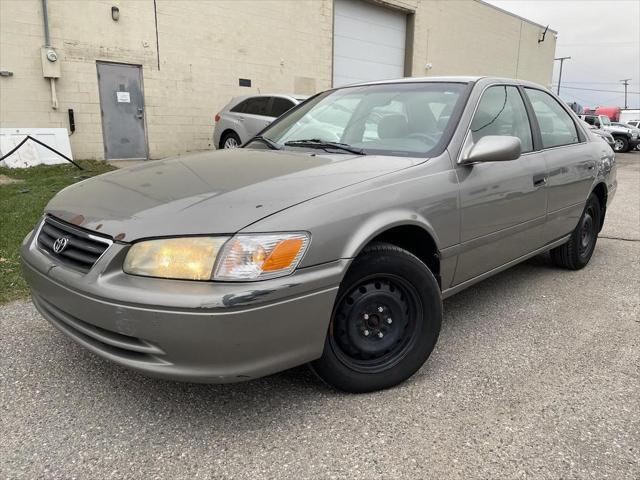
x: 224, y: 134
x: 409, y: 232
x: 601, y: 192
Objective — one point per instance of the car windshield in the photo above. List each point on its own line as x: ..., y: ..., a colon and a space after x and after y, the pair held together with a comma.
x: 390, y: 119
x: 605, y: 121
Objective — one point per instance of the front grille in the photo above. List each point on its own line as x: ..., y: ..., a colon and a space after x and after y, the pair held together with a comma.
x: 82, y: 248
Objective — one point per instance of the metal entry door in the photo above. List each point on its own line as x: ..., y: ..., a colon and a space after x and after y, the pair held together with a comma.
x: 122, y: 108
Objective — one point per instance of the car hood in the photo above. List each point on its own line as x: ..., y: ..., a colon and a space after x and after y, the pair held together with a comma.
x: 217, y: 192
x: 613, y: 128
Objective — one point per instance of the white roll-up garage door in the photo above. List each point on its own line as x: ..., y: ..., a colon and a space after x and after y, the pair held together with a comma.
x: 368, y: 42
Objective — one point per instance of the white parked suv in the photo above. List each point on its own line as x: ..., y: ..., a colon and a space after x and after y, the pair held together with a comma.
x: 625, y: 136
x: 243, y: 117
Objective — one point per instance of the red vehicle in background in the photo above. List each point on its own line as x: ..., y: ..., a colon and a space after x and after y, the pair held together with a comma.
x: 612, y: 112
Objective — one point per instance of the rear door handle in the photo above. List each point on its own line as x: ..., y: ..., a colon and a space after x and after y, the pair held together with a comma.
x: 539, y: 180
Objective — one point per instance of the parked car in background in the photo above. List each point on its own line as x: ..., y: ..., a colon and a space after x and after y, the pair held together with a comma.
x: 331, y: 238
x: 244, y: 116
x: 604, y: 135
x: 624, y: 136
x: 634, y: 123
x: 634, y: 129
x: 635, y: 132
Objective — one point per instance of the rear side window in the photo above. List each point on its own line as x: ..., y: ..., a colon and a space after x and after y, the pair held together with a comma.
x: 556, y: 125
x: 253, y: 106
x: 501, y: 111
x: 279, y: 106
x: 239, y: 108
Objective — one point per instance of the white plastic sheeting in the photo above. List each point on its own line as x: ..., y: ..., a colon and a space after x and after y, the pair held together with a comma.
x: 32, y: 154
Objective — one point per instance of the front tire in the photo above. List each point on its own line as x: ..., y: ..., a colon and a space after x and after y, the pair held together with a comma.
x: 385, y: 323
x: 576, y: 253
x: 621, y: 144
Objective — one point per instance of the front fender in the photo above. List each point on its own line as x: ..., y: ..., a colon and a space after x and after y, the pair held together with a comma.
x: 380, y: 223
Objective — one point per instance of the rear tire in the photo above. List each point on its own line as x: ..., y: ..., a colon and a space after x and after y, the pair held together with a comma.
x: 576, y: 253
x: 385, y: 323
x: 230, y: 140
x: 621, y: 144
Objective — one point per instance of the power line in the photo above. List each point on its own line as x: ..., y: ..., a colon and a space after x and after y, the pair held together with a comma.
x: 598, y: 44
x: 596, y: 83
x: 600, y: 90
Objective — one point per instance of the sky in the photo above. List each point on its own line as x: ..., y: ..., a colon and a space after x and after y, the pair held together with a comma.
x: 602, y: 37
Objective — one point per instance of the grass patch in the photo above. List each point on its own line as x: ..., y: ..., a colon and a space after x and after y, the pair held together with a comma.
x: 22, y: 204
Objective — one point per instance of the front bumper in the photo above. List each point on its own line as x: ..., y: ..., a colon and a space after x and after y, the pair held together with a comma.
x: 181, y: 330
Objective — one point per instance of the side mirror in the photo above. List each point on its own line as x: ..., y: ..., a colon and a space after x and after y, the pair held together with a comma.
x: 493, y: 148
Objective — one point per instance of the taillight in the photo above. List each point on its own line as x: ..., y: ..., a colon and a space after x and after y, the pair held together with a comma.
x: 217, y: 117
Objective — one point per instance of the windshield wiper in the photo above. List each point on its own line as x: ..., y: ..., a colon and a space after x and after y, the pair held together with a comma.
x: 317, y: 143
x: 267, y: 141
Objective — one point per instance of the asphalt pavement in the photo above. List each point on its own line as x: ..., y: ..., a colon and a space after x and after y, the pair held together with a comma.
x: 536, y: 375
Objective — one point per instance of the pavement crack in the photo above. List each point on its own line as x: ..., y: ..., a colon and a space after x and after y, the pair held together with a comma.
x: 622, y: 239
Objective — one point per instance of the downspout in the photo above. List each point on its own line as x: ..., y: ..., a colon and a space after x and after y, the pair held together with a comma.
x: 45, y: 17
x: 47, y: 43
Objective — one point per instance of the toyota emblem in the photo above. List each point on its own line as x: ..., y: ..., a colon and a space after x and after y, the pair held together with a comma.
x: 60, y: 244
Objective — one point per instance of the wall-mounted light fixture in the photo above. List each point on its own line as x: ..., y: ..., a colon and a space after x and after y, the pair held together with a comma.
x: 115, y: 13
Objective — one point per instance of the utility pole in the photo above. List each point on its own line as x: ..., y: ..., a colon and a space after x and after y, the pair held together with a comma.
x: 562, y: 59
x: 625, y: 82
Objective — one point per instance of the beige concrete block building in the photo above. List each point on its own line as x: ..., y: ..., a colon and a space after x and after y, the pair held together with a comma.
x: 187, y: 58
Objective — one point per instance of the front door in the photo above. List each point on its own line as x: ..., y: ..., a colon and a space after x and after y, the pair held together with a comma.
x: 503, y: 204
x: 122, y: 109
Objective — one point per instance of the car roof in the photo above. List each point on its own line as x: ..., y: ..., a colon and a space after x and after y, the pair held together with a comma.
x: 240, y: 98
x: 450, y: 79
x: 285, y: 95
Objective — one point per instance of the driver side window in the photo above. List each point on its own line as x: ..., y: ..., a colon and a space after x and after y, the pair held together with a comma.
x: 501, y: 111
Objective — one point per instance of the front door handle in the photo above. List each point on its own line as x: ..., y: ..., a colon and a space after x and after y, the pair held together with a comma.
x: 540, y: 180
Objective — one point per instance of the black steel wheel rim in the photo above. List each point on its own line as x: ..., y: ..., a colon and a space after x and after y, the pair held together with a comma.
x: 587, y: 232
x: 376, y: 323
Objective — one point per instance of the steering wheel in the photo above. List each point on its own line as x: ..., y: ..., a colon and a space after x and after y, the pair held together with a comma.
x: 427, y: 137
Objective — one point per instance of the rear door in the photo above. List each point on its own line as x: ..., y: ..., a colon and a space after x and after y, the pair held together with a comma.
x: 502, y: 204
x: 256, y: 115
x: 571, y: 161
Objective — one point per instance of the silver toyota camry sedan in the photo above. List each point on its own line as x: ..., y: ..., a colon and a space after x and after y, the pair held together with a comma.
x: 330, y: 239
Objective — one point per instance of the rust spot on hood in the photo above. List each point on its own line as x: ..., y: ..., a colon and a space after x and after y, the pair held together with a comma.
x: 78, y: 220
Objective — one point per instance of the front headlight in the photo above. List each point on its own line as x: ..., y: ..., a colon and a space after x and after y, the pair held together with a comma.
x: 188, y: 258
x: 257, y: 257
x: 241, y: 258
